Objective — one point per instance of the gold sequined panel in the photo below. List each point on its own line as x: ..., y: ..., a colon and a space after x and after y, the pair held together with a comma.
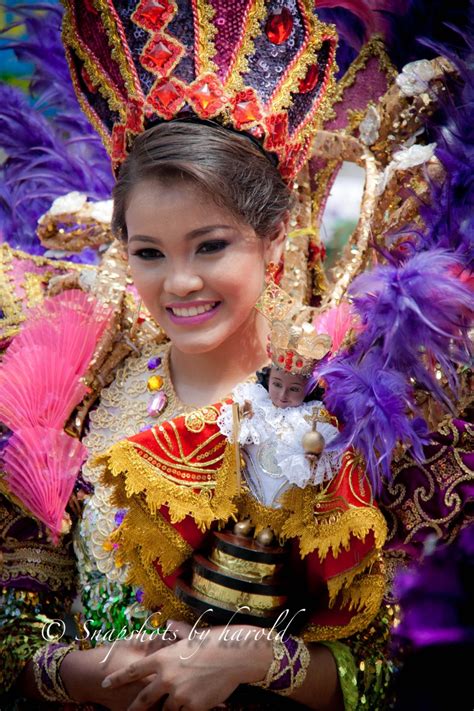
x: 122, y: 412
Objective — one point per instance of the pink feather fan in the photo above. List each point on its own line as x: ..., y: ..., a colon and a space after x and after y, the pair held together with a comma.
x: 42, y: 465
x: 40, y: 384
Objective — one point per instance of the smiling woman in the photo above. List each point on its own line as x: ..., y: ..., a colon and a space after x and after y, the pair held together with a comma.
x: 200, y: 486
x: 203, y: 212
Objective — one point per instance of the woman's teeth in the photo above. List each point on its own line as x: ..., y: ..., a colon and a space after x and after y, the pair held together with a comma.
x: 193, y: 311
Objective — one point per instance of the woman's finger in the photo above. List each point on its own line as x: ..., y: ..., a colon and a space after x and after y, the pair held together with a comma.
x: 137, y: 670
x: 151, y: 695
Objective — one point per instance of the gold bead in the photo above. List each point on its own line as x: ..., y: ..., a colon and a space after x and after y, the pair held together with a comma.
x: 313, y: 442
x: 155, y: 382
x: 243, y: 528
x: 265, y: 537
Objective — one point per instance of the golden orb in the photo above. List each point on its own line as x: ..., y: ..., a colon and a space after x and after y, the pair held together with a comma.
x: 313, y: 442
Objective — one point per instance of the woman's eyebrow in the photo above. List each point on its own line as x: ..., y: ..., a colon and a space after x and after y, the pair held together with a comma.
x: 142, y: 238
x: 198, y: 232
x: 208, y: 228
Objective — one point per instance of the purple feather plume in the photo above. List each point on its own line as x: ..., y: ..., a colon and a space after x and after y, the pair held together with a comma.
x: 375, y: 405
x: 418, y: 310
x: 51, y: 149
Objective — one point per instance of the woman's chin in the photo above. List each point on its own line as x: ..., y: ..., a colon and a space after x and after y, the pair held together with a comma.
x: 195, y: 344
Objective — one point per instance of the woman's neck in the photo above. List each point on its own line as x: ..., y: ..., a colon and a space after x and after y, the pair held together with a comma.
x: 203, y: 378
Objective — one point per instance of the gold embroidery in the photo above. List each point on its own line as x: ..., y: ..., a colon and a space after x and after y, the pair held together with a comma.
x: 156, y: 593
x: 120, y: 52
x: 196, y: 421
x: 205, y: 30
x: 343, y: 581
x: 71, y: 39
x: 442, y: 473
x: 126, y: 470
x: 38, y: 561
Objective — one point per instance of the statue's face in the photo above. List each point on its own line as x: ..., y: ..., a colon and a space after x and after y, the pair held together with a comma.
x: 285, y: 389
x: 198, y: 270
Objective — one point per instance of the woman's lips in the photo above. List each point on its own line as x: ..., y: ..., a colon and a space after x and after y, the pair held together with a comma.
x: 192, y: 313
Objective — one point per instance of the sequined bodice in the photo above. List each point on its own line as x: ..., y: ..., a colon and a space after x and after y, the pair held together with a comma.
x: 122, y: 412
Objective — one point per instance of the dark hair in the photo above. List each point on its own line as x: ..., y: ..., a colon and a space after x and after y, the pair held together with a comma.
x: 227, y: 165
x: 263, y: 377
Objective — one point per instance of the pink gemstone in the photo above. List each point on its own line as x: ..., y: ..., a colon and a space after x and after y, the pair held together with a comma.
x: 279, y: 26
x: 157, y: 404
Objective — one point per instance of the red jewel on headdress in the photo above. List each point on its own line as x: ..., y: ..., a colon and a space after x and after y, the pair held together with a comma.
x: 207, y: 96
x: 245, y: 108
x: 280, y: 359
x: 153, y: 14
x: 118, y: 142
x: 160, y: 55
x: 277, y: 131
x: 310, y: 80
x: 279, y: 26
x: 135, y: 115
x: 166, y: 97
x: 299, y: 363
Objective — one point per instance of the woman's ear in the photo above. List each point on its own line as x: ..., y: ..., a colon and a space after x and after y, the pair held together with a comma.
x: 276, y: 243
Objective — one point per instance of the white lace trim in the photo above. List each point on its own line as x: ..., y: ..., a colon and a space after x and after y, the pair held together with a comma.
x: 285, y: 427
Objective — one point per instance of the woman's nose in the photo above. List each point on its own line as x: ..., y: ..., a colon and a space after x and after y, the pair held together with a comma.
x: 181, y: 281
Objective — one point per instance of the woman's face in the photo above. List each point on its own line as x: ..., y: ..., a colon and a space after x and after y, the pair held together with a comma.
x: 198, y: 270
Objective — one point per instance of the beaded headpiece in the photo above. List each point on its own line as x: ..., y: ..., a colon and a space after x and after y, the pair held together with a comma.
x: 265, y: 68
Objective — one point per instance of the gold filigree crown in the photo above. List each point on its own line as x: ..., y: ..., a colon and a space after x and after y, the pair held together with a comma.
x: 293, y: 345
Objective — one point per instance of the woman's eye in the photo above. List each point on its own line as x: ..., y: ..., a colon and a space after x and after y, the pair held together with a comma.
x: 211, y: 247
x: 295, y: 389
x: 148, y: 254
x: 276, y: 385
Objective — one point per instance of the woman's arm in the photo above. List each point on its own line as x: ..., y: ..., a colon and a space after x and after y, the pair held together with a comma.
x: 201, y: 672
x: 83, y: 671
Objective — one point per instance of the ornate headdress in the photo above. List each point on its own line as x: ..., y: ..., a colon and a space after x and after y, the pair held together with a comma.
x: 265, y: 68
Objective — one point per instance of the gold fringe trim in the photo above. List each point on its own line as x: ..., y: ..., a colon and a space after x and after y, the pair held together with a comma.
x: 375, y: 584
x: 155, y: 538
x: 345, y: 579
x: 157, y: 595
x: 127, y: 472
x: 361, y: 595
x: 333, y: 532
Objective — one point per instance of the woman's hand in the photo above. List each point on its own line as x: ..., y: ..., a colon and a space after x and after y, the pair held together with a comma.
x: 84, y: 671
x: 199, y: 671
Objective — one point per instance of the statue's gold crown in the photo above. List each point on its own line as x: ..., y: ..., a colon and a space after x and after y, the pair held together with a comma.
x: 293, y: 345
